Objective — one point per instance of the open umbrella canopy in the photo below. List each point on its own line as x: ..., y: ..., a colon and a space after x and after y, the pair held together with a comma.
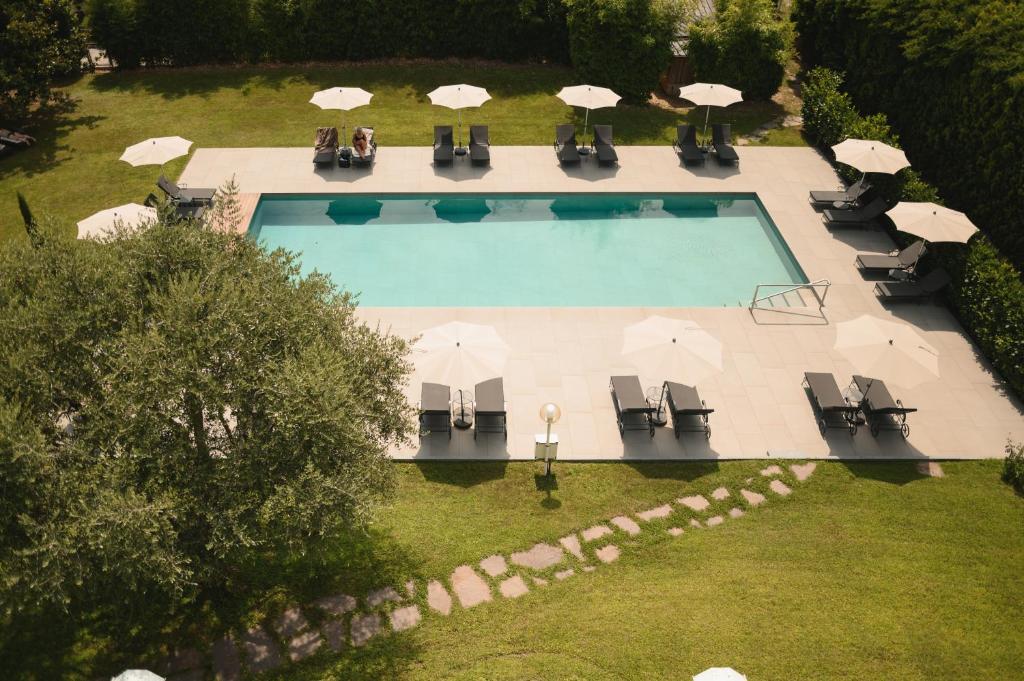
x: 870, y: 156
x: 932, y: 222
x: 460, y: 353
x: 720, y: 674
x: 891, y: 351
x: 676, y: 349
x: 343, y: 98
x: 588, y: 96
x: 156, y: 151
x: 710, y: 94
x: 103, y: 221
x: 137, y: 675
x: 460, y: 96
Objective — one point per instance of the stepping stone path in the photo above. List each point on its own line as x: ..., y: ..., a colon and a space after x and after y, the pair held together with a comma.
x: 659, y: 512
x: 572, y: 545
x: 378, y: 597
x: 695, y: 523
x: 607, y: 554
x: 260, y: 650
x: 304, y: 645
x: 589, y: 568
x: 596, y: 532
x: 334, y: 633
x: 336, y: 605
x: 469, y: 587
x: 626, y: 524
x: 779, y: 488
x: 930, y: 468
x: 564, y: 574
x: 803, y: 471
x: 715, y: 520
x: 405, y: 618
x: 513, y: 587
x: 364, y: 627
x: 438, y: 597
x: 540, y: 581
x: 494, y: 566
x: 540, y: 557
x: 720, y: 493
x: 695, y: 503
x: 675, y: 531
x: 753, y: 498
x: 410, y: 588
x: 291, y: 622
x: 735, y: 512
x: 226, y: 664
x: 771, y: 470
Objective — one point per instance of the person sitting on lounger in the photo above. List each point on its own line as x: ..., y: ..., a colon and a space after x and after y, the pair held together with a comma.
x: 359, y: 143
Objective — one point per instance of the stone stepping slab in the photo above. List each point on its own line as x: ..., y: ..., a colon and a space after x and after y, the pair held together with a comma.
x: 572, y: 545
x: 304, y: 645
x: 405, y: 618
x: 675, y: 531
x: 564, y: 574
x: 365, y: 627
x: 779, y: 487
x: 771, y: 470
x: 659, y: 512
x: 694, y: 503
x: 334, y: 634
x: 715, y: 520
x: 513, y: 587
x: 291, y: 622
x: 803, y: 471
x: 735, y: 512
x: 608, y: 553
x: 540, y: 557
x: 720, y: 494
x: 695, y: 523
x: 753, y: 498
x: 378, y: 597
x: 494, y: 566
x: 260, y: 650
x: 596, y: 532
x: 336, y: 605
x: 469, y: 587
x: 438, y: 597
x: 626, y: 524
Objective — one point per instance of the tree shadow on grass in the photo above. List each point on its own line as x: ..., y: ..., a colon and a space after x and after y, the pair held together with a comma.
x: 462, y: 474
x: 50, y: 125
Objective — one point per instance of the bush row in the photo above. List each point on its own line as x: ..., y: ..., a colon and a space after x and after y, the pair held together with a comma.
x: 948, y: 74
x: 987, y: 293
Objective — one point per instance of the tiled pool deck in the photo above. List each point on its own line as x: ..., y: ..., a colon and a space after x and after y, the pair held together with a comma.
x: 567, y: 354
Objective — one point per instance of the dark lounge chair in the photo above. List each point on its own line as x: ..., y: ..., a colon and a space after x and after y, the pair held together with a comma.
x: 435, y: 409
x: 14, y: 139
x: 479, y: 145
x: 832, y: 409
x: 182, y: 211
x: 444, y: 145
x: 371, y: 150
x: 879, y: 408
x: 689, y: 412
x: 900, y: 260
x: 490, y: 408
x: 927, y: 286
x: 857, y: 217
x: 603, y: 145
x: 325, y: 147
x: 182, y: 195
x: 632, y: 410
x: 721, y: 140
x: 566, y: 148
x: 849, y: 196
x: 686, y: 145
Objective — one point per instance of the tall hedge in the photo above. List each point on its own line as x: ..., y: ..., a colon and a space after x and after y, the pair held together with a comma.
x: 950, y: 76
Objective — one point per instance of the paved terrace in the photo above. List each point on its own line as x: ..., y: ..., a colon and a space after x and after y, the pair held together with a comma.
x: 567, y: 354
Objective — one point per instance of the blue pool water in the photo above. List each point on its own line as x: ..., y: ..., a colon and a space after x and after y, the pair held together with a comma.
x: 575, y: 250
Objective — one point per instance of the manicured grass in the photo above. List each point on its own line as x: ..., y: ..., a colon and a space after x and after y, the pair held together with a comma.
x: 866, y: 571
x: 73, y: 171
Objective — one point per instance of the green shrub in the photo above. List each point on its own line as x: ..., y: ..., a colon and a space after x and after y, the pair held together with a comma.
x: 1013, y: 466
x: 827, y: 111
x: 622, y: 44
x: 112, y: 25
x: 745, y: 45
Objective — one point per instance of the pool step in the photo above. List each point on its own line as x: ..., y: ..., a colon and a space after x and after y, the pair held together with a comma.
x: 798, y: 298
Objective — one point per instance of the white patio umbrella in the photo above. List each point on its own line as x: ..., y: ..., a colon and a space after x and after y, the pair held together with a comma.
x: 677, y: 349
x: 720, y: 674
x: 156, y: 151
x: 459, y: 97
x: 589, y: 97
x: 343, y: 98
x: 709, y: 95
x: 931, y: 222
x: 888, y: 350
x: 137, y: 675
x: 460, y: 352
x: 870, y: 156
x: 128, y: 214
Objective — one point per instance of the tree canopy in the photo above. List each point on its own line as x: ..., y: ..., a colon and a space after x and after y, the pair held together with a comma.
x: 173, y: 399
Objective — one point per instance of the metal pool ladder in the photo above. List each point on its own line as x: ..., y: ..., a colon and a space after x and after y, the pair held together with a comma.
x: 791, y: 295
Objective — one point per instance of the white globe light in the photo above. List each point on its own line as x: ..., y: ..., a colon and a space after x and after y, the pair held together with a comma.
x: 550, y: 413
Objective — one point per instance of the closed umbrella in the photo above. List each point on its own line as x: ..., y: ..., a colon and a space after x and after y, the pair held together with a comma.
x: 137, y: 675
x: 888, y: 350
x: 103, y: 221
x: 678, y: 349
x: 155, y: 151
x: 459, y: 97
x: 870, y: 156
x: 343, y: 98
x: 589, y: 97
x: 932, y: 222
x: 720, y: 674
x: 709, y: 95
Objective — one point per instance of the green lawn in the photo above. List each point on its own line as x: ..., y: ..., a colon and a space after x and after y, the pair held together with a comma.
x: 866, y: 571
x: 74, y: 171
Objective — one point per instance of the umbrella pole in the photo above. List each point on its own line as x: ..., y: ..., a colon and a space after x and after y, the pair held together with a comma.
x: 707, y: 112
x: 344, y: 131
x: 586, y: 120
x: 460, y: 128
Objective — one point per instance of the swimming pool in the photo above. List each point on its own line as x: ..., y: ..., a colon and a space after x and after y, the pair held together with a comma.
x: 565, y: 250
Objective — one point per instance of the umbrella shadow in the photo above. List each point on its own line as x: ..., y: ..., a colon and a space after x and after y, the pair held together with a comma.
x: 590, y: 171
x: 460, y: 170
x: 463, y: 474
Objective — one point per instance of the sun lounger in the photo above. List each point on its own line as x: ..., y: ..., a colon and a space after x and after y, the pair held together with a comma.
x: 183, y: 195
x: 850, y: 195
x: 490, y: 408
x: 603, y: 146
x: 689, y: 412
x: 435, y: 409
x: 444, y: 145
x: 479, y: 145
x: 686, y: 145
x: 325, y: 147
x: 721, y: 141
x: 927, y: 286
x: 371, y: 150
x: 879, y: 408
x: 900, y: 260
x: 832, y: 409
x: 566, y: 148
x: 632, y: 410
x: 857, y: 217
x: 186, y: 211
x: 12, y: 138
